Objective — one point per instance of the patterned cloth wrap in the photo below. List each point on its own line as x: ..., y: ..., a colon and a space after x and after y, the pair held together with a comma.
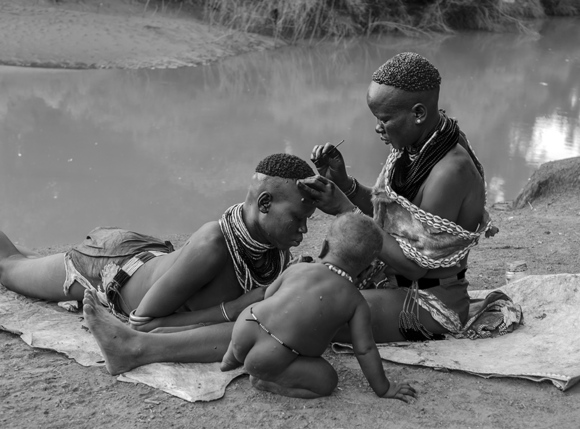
x: 95, y: 262
x: 433, y: 242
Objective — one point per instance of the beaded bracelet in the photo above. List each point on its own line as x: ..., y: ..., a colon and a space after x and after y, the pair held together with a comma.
x: 139, y: 320
x: 224, y: 312
x: 353, y: 188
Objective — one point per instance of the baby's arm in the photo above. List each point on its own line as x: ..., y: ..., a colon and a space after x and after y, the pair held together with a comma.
x: 369, y: 359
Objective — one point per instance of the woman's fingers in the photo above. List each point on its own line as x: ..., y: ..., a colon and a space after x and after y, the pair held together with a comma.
x: 316, y: 153
x: 308, y: 192
x: 319, y: 151
x: 315, y: 184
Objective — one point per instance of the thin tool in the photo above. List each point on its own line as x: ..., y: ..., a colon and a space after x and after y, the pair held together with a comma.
x: 317, y: 160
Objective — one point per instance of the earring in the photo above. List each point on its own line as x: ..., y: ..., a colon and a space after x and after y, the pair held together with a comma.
x: 418, y: 121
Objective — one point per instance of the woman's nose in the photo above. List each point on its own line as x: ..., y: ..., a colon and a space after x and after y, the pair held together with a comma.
x: 303, y: 229
x: 379, y: 128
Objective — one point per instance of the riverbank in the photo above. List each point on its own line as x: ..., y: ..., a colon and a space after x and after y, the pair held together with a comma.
x: 45, y: 389
x: 112, y: 34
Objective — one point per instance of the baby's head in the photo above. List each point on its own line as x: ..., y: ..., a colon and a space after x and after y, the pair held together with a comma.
x: 355, y: 239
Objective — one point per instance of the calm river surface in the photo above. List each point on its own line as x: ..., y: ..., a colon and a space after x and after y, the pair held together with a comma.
x: 162, y: 152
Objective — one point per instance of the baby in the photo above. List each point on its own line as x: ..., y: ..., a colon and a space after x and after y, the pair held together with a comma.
x: 280, y: 340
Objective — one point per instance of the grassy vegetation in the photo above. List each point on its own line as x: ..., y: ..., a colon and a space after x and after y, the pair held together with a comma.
x: 295, y: 20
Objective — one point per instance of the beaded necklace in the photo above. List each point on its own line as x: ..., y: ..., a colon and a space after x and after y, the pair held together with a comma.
x: 245, y: 252
x: 383, y: 193
x: 338, y: 271
x: 412, y: 169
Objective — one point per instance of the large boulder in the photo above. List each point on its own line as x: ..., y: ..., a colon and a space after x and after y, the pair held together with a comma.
x: 552, y: 178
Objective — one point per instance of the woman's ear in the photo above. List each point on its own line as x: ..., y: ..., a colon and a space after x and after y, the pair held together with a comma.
x: 420, y: 113
x: 264, y: 202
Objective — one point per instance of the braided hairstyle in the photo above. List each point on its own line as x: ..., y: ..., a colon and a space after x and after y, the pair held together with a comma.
x: 408, y: 71
x: 285, y: 166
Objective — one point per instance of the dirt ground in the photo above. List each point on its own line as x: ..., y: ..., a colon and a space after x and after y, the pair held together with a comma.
x: 45, y: 389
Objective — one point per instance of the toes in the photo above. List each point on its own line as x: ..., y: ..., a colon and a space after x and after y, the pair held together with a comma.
x: 88, y: 308
x: 89, y: 301
x: 89, y: 296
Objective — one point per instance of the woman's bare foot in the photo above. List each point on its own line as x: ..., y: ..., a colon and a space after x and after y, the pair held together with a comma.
x: 117, y: 342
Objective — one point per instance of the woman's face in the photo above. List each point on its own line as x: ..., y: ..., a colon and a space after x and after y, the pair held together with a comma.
x: 396, y: 120
x: 285, y: 222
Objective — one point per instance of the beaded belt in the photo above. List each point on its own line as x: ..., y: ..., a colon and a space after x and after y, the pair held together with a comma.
x: 429, y: 283
x: 113, y: 288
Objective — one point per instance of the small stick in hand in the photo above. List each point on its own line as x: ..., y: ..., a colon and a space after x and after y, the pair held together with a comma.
x: 316, y: 162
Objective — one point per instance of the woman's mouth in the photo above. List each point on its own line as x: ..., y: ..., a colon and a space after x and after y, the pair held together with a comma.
x: 386, y: 140
x: 296, y: 243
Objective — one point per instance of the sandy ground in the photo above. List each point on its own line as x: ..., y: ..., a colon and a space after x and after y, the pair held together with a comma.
x: 45, y: 389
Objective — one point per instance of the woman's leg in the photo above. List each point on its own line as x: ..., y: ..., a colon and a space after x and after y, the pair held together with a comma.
x: 125, y: 349
x: 40, y: 277
x: 386, y: 306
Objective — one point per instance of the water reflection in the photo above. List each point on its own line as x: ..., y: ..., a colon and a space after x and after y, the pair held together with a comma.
x: 164, y: 151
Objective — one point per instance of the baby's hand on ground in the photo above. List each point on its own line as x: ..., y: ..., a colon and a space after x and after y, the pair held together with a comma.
x: 402, y: 391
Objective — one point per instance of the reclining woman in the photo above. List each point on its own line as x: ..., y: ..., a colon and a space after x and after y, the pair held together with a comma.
x: 429, y: 200
x: 222, y: 268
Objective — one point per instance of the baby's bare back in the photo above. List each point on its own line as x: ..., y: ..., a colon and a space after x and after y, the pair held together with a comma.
x: 311, y: 304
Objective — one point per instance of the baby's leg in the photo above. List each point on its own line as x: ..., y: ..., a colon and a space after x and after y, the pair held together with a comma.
x: 244, y: 338
x: 229, y: 361
x: 305, y: 377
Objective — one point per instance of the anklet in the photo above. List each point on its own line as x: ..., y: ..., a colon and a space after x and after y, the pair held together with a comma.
x: 224, y: 312
x: 139, y: 320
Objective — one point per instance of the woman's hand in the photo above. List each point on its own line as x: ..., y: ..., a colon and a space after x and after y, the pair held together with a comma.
x: 325, y: 195
x: 235, y: 307
x: 330, y: 164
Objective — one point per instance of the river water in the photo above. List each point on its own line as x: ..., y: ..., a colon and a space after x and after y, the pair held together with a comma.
x: 163, y: 151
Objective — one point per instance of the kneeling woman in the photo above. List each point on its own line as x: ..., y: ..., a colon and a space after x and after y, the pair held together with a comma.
x: 429, y: 200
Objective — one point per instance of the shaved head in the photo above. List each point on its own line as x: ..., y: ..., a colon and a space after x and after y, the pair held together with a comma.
x: 396, y: 98
x: 354, y: 238
x: 274, y: 185
x: 274, y: 209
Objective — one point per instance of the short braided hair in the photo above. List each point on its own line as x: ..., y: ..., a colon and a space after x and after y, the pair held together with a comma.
x: 408, y: 71
x: 285, y: 166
